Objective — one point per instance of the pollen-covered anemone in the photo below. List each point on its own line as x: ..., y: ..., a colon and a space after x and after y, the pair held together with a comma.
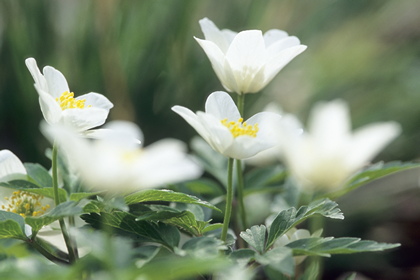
x: 225, y: 130
x: 58, y: 104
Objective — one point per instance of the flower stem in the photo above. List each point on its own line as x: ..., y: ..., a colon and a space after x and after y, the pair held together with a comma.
x: 229, y: 199
x: 242, y: 212
x: 66, y: 236
x: 45, y: 253
x: 239, y: 173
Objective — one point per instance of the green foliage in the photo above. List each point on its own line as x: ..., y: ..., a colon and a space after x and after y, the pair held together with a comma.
x: 12, y: 225
x: 325, y: 247
x: 279, y: 259
x: 167, y: 196
x: 27, y: 186
x: 39, y: 175
x: 373, y: 172
x: 289, y: 218
x: 255, y: 236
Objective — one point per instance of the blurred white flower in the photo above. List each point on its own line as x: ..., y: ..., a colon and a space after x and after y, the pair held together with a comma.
x: 247, y: 61
x: 274, y: 153
x: 223, y: 128
x: 329, y: 153
x: 295, y: 234
x: 115, y: 161
x: 58, y: 104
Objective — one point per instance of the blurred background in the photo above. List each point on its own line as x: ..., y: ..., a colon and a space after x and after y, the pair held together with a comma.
x: 142, y: 56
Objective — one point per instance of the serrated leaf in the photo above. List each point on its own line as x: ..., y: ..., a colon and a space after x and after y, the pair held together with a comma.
x: 279, y: 259
x: 126, y: 222
x: 289, y: 218
x: 187, y: 222
x: 167, y: 196
x: 12, y: 225
x: 370, y: 174
x: 66, y: 209
x: 255, y: 236
x: 329, y: 245
x: 39, y: 174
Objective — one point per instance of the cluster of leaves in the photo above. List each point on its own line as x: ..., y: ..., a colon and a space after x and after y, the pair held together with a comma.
x: 174, y: 228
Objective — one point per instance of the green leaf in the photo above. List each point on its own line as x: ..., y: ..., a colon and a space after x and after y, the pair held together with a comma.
x: 204, y: 187
x: 187, y: 222
x: 312, y: 271
x: 243, y: 256
x: 279, y: 259
x: 27, y: 186
x: 167, y: 196
x: 255, y: 237
x: 146, y: 254
x: 155, y: 232
x: 345, y: 245
x: 289, y: 218
x: 203, y: 247
x: 66, y: 209
x: 370, y: 174
x: 39, y: 174
x: 12, y: 225
x: 265, y: 179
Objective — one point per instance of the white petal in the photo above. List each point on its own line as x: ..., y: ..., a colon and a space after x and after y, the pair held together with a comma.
x: 57, y: 83
x: 282, y: 45
x: 221, y: 105
x: 268, y: 126
x: 368, y: 141
x: 84, y: 119
x: 96, y: 100
x: 229, y: 36
x: 274, y: 65
x: 49, y: 106
x: 247, y: 50
x: 10, y: 165
x: 36, y: 74
x: 213, y: 34
x: 330, y: 125
x: 245, y: 146
x: 274, y: 35
x: 193, y: 120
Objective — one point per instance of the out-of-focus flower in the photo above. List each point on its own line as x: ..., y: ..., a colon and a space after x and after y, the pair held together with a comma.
x: 58, y: 104
x: 295, y: 234
x: 224, y: 129
x: 115, y: 161
x: 325, y: 156
x: 274, y: 153
x: 247, y: 61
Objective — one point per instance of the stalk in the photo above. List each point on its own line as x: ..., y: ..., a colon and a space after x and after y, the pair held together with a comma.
x: 66, y: 236
x: 229, y: 199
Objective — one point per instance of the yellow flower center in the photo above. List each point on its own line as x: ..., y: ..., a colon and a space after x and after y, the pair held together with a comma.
x: 240, y: 128
x: 25, y: 204
x: 67, y: 101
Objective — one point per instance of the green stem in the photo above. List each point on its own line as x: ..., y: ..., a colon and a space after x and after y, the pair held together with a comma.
x: 229, y: 199
x: 66, y: 236
x: 240, y: 103
x: 45, y: 253
x: 240, y: 190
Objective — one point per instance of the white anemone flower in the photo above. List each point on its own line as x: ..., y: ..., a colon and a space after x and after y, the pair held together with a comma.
x: 226, y: 132
x: 247, y: 61
x: 58, y: 104
x: 115, y: 161
x: 325, y: 156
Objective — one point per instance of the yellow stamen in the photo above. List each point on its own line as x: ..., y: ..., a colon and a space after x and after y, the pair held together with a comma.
x: 25, y: 204
x: 67, y: 101
x: 240, y: 128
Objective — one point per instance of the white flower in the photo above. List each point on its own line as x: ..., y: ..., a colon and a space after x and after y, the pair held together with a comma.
x: 223, y: 128
x: 329, y: 153
x: 10, y: 166
x: 247, y: 61
x: 58, y: 104
x: 116, y: 162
